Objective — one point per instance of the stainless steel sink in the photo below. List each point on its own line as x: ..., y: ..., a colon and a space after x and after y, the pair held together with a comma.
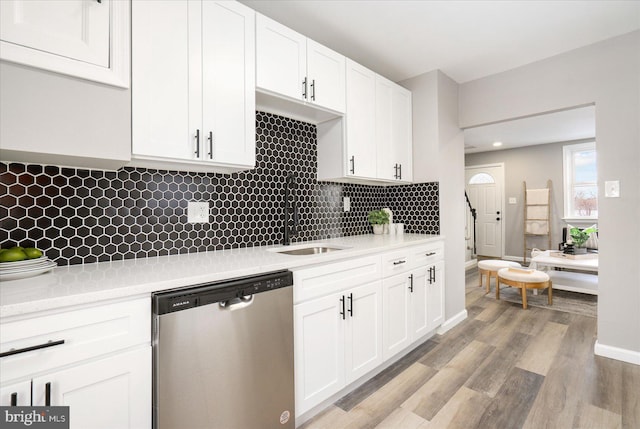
x: 315, y: 250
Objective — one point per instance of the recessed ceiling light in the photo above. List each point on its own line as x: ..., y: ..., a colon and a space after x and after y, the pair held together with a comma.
x: 496, y: 144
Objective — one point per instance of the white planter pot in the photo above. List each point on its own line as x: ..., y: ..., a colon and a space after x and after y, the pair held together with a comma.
x: 378, y: 229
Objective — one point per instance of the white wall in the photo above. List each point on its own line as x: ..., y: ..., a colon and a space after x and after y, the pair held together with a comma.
x: 607, y: 73
x: 438, y: 142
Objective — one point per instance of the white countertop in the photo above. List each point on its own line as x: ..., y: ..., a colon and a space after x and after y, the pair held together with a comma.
x: 89, y: 283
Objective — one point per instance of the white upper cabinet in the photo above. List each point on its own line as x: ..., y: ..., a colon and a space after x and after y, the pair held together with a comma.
x: 280, y: 58
x: 292, y: 66
x: 325, y: 77
x: 373, y: 142
x: 393, y: 131
x: 86, y: 39
x: 228, y: 83
x: 360, y: 121
x: 193, y: 95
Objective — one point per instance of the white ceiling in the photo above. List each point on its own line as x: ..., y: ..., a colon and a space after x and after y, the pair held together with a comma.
x: 467, y: 40
x: 567, y: 125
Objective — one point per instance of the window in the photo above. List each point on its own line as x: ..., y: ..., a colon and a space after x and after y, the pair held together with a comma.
x: 580, y: 181
x: 481, y: 179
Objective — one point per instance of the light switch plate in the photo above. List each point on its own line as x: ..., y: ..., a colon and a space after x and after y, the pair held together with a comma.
x: 512, y: 200
x: 612, y: 189
x: 346, y: 203
x: 197, y: 212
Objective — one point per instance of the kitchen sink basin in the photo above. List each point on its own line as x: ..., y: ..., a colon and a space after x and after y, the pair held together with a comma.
x: 309, y: 250
x: 314, y: 249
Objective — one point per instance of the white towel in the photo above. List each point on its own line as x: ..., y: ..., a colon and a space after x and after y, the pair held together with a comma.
x: 537, y: 227
x: 537, y: 212
x: 538, y: 196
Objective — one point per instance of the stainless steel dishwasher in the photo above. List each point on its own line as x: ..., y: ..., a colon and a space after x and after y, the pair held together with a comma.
x: 223, y: 355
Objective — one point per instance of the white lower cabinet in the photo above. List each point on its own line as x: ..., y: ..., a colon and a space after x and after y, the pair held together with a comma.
x: 412, y: 295
x: 405, y: 318
x: 109, y: 393
x: 16, y: 394
x: 352, y: 316
x: 96, y: 360
x: 435, y: 296
x: 337, y: 340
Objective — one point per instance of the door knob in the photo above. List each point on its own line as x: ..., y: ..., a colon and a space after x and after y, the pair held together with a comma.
x: 497, y: 218
x: 498, y: 212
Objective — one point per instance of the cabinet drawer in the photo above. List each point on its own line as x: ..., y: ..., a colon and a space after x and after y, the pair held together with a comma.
x: 396, y: 262
x: 324, y: 279
x: 81, y: 334
x: 427, y: 254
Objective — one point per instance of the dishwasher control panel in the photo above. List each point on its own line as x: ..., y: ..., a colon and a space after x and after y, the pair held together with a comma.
x: 209, y: 293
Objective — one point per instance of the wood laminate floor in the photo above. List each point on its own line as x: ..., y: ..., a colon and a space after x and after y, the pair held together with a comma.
x: 503, y: 367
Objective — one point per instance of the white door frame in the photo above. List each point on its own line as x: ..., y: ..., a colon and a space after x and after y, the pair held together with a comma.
x: 503, y: 216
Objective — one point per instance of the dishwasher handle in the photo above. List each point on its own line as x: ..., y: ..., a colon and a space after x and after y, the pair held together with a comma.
x: 236, y: 303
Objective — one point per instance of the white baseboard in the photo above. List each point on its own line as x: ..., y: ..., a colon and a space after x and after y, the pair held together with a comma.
x: 514, y: 258
x: 470, y: 264
x: 451, y: 322
x: 617, y: 353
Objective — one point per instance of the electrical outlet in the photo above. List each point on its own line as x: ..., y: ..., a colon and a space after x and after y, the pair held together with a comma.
x: 197, y: 212
x: 612, y: 189
x: 512, y: 200
x: 346, y: 203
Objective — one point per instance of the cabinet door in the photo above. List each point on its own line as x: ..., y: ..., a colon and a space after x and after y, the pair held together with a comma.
x: 420, y: 304
x: 76, y: 29
x: 18, y: 392
x: 435, y: 297
x: 281, y: 65
x: 401, y: 134
x: 165, y: 68
x: 360, y: 121
x: 387, y: 162
x: 114, y: 392
x: 363, y: 337
x: 396, y: 314
x: 228, y: 83
x: 326, y: 77
x: 319, y: 350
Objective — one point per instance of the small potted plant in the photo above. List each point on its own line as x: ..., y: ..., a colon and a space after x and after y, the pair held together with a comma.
x: 378, y: 218
x: 579, y: 237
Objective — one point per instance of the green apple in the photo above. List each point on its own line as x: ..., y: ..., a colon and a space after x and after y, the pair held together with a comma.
x: 32, y: 252
x: 13, y: 255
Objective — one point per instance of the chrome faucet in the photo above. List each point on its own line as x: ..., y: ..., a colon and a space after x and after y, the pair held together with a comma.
x: 290, y: 204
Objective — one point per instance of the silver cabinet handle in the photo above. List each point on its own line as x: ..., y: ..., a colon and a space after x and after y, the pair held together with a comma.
x: 304, y: 88
x: 197, y: 144
x: 210, y: 144
x: 353, y: 164
x: 313, y: 90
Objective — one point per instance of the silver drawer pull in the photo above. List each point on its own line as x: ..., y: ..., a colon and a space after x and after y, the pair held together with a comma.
x: 399, y: 262
x: 32, y: 348
x: 430, y: 254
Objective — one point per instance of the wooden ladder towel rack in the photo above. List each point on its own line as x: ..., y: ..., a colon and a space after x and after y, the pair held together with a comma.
x: 537, y: 215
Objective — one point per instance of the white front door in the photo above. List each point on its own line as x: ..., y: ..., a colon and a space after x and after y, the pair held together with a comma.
x: 485, y: 188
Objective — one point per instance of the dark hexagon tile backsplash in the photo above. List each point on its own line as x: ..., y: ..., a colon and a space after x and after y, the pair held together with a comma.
x: 81, y: 216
